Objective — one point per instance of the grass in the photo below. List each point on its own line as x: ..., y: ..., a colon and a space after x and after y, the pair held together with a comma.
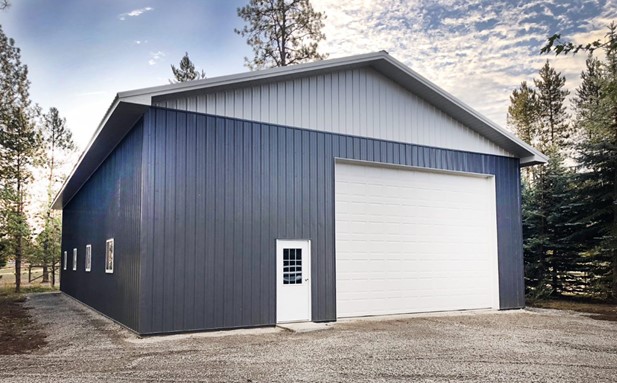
x: 7, y: 279
x: 27, y: 289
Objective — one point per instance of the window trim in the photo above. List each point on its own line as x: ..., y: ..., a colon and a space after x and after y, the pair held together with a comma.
x: 75, y: 259
x: 109, y: 270
x: 88, y: 261
x: 65, y: 260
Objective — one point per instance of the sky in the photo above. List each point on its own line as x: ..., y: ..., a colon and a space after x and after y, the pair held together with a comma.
x: 81, y: 53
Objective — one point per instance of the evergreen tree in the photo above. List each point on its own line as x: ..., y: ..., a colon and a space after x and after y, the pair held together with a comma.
x: 281, y: 32
x: 57, y: 142
x: 186, y: 71
x: 548, y: 207
x: 597, y: 157
x: 539, y: 118
x: 19, y: 144
x: 553, y: 119
x: 598, y: 166
x: 523, y: 113
x: 588, y: 94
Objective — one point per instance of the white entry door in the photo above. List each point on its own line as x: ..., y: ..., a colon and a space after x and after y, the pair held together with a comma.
x: 293, y: 280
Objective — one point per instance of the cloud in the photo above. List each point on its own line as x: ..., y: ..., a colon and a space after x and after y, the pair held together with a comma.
x: 155, y: 57
x: 479, y: 50
x: 140, y: 42
x: 134, y: 13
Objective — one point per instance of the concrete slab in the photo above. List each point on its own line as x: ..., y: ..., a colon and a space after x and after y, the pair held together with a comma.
x: 205, y: 334
x: 302, y: 327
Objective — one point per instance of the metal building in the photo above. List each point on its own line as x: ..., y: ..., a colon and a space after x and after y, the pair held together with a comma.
x: 339, y: 188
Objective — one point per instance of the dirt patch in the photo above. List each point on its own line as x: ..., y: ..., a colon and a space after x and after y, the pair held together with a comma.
x: 600, y: 311
x: 19, y: 334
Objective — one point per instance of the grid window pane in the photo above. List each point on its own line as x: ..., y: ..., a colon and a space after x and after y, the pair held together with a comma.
x: 292, y: 266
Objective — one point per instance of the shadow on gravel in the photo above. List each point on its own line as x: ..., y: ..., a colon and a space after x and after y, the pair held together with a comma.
x: 599, y: 311
x: 19, y: 334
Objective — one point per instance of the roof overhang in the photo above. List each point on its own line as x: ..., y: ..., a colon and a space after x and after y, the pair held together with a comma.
x: 129, y: 106
x: 119, y: 119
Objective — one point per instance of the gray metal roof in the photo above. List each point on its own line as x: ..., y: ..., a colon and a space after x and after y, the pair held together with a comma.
x: 128, y: 107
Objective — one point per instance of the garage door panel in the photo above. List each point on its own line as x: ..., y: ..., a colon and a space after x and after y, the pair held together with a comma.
x: 395, y: 266
x: 402, y: 294
x: 410, y: 241
x: 426, y: 303
x: 424, y: 253
x: 384, y: 281
x: 347, y: 248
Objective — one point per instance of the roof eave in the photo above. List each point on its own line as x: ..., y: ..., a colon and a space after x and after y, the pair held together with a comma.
x: 108, y: 135
x: 533, y: 160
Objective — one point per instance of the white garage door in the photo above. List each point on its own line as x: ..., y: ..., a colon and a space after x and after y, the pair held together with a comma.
x: 411, y: 240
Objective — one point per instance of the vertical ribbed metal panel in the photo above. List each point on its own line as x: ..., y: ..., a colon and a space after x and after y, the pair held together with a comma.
x: 108, y: 206
x: 218, y: 192
x: 359, y: 102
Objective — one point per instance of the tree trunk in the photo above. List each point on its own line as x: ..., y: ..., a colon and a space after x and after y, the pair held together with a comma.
x: 554, y: 281
x: 614, y: 239
x: 614, y: 228
x: 53, y: 274
x: 18, y: 254
x: 18, y: 237
x: 45, y: 274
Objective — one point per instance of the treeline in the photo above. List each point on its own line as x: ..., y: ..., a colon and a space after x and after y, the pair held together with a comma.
x: 570, y: 203
x: 32, y: 143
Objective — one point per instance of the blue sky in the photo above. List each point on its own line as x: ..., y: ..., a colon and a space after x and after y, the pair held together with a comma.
x: 80, y: 53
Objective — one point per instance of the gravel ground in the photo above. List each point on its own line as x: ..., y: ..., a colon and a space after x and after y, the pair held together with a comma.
x: 513, y: 346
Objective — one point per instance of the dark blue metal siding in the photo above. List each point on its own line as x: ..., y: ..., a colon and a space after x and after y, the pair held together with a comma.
x: 107, y: 206
x: 218, y: 192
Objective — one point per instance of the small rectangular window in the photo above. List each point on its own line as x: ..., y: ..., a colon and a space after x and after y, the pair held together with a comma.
x: 88, y: 257
x: 292, y: 266
x: 65, y: 260
x: 74, y: 259
x: 109, y: 256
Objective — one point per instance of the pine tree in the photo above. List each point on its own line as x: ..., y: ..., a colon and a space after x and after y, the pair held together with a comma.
x: 597, y: 114
x: 596, y: 105
x: 19, y: 145
x: 57, y: 142
x: 539, y: 118
x: 523, y: 113
x: 281, y: 32
x: 588, y: 93
x: 553, y: 119
x: 186, y: 71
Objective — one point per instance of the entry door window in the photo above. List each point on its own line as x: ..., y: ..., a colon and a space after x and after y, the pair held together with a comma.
x: 292, y: 266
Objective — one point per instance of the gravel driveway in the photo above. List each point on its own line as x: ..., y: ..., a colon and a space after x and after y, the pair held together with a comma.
x: 512, y: 346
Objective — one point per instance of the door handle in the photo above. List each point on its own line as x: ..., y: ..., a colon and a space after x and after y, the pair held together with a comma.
x: 306, y: 280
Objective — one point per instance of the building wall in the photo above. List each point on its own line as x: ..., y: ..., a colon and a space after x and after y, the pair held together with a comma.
x: 107, y: 206
x: 218, y: 192
x: 358, y: 102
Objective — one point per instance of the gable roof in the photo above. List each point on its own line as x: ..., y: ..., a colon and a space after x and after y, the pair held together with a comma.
x: 129, y: 106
